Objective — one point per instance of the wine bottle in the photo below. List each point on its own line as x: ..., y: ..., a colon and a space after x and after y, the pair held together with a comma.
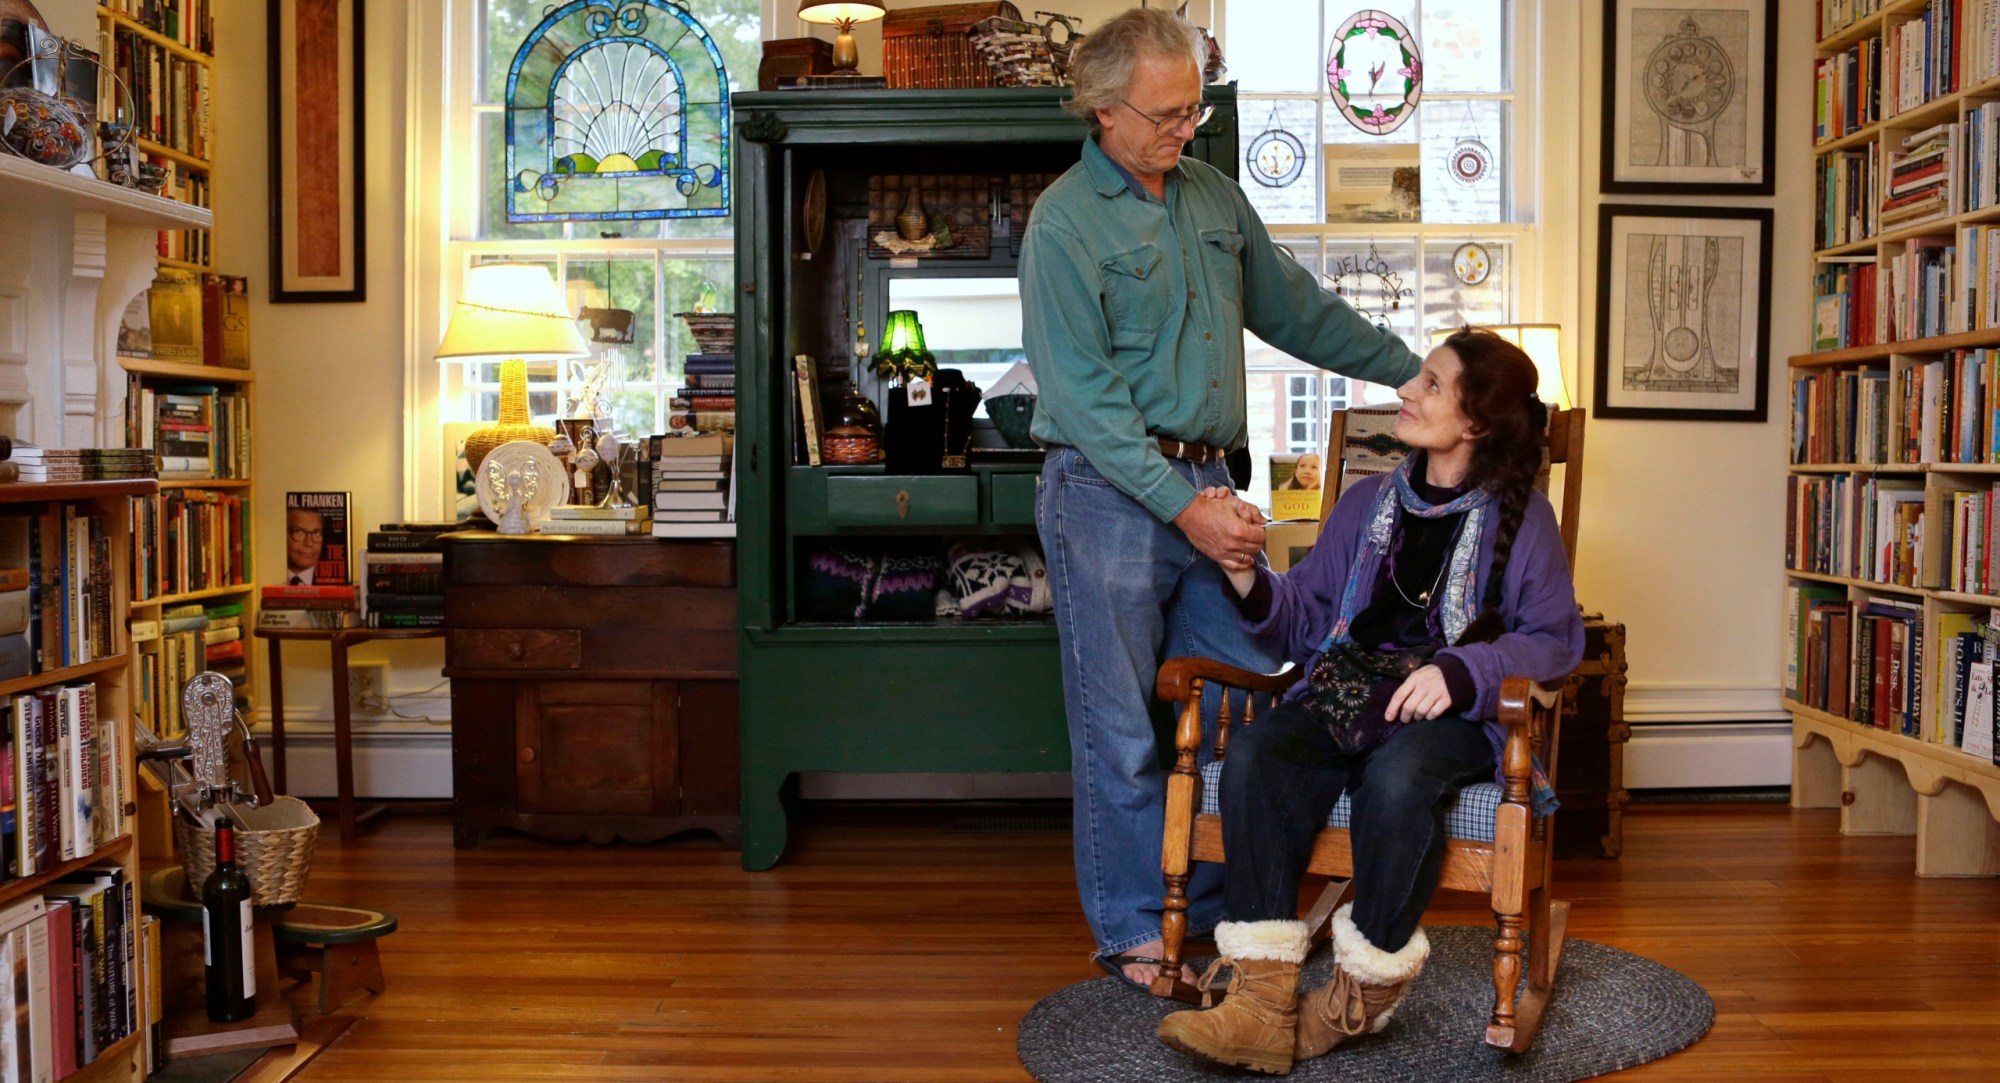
x: 225, y: 927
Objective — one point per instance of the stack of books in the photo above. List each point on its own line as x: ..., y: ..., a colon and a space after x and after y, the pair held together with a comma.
x: 692, y: 486
x: 1921, y: 178
x: 583, y: 519
x: 708, y: 402
x: 198, y: 430
x: 310, y: 607
x: 403, y: 571
x: 82, y: 464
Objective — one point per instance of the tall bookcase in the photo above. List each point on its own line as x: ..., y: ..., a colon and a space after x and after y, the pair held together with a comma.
x: 107, y: 672
x: 163, y: 52
x: 1893, y: 547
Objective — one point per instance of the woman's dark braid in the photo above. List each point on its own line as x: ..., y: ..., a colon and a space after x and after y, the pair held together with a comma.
x: 1496, y: 393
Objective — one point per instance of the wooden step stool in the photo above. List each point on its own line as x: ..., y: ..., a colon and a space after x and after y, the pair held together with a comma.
x: 335, y: 942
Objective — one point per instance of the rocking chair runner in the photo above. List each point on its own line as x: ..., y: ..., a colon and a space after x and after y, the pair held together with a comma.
x: 1498, y: 847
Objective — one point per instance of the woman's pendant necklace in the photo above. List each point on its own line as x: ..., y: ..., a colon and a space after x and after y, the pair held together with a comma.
x: 1423, y: 600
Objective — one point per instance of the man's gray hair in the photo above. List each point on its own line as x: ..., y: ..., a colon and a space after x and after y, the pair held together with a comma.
x: 1101, y: 72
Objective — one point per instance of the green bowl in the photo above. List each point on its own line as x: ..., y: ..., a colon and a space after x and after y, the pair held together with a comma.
x: 1012, y: 414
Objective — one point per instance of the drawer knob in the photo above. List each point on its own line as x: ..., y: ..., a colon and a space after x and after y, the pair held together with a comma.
x: 515, y: 650
x: 902, y: 503
x: 527, y: 755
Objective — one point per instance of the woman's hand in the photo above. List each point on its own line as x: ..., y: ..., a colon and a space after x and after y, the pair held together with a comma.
x: 1242, y: 571
x: 1423, y: 695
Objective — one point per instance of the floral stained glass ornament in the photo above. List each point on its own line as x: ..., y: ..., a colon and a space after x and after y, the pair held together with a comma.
x: 1375, y: 72
x: 1275, y: 157
x: 617, y: 109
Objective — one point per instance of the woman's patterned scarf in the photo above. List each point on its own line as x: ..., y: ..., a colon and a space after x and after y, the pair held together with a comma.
x: 1460, y: 604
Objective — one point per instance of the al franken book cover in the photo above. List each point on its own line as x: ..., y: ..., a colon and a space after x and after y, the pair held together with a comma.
x: 317, y: 550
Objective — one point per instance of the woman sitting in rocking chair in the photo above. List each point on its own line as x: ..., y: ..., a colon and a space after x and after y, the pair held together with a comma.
x: 1427, y: 586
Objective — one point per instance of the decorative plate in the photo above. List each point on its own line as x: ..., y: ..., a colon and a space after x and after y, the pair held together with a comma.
x: 518, y: 483
x: 1471, y: 263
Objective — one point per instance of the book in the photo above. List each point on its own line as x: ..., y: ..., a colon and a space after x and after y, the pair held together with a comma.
x: 175, y: 312
x: 135, y: 326
x: 577, y: 511
x: 25, y: 997
x: 316, y: 539
x: 1295, y: 485
x: 717, y: 528
x: 308, y: 618
x: 809, y: 406
x: 225, y: 320
x: 591, y: 526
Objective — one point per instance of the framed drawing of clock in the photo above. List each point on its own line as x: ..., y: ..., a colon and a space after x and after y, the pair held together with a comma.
x: 1683, y: 312
x: 1690, y: 97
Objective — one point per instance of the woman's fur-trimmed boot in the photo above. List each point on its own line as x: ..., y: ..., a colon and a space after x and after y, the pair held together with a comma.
x: 1254, y: 1028
x: 1368, y: 983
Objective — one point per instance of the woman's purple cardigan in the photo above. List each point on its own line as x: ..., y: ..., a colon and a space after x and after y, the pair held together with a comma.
x: 1544, y: 637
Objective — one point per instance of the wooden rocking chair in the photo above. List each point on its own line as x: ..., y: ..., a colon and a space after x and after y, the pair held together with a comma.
x: 1498, y: 847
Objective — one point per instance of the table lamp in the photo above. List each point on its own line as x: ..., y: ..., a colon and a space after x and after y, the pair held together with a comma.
x: 511, y: 313
x: 842, y: 15
x: 1542, y: 342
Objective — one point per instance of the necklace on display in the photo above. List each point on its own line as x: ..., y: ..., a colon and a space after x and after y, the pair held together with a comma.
x: 1421, y: 601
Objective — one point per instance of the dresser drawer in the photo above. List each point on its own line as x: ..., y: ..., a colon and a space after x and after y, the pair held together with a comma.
x: 1012, y: 499
x: 902, y: 500
x: 514, y: 648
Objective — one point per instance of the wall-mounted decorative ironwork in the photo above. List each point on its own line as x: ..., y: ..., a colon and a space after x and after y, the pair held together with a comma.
x: 617, y: 109
x: 1354, y: 277
x: 1375, y: 72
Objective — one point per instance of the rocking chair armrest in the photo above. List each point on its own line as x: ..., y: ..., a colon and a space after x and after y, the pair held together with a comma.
x: 1528, y: 710
x: 1177, y: 676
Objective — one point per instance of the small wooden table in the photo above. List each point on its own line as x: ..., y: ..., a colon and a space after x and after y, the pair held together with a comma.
x: 339, y: 639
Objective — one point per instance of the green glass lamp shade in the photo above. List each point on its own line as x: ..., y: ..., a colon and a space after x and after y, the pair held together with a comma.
x: 903, y: 355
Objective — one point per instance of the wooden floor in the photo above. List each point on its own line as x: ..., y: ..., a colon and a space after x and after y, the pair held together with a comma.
x: 906, y: 943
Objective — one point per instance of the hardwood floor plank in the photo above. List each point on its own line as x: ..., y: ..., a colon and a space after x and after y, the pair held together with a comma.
x: 889, y: 946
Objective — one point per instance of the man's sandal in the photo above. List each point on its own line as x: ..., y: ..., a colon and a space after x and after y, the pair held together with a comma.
x: 1114, y: 965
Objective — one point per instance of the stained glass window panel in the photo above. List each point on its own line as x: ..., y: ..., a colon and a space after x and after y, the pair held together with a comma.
x: 1466, y: 46
x: 1464, y: 166
x: 617, y: 114
x: 1280, y: 166
x: 1466, y: 281
x: 1364, y: 56
x: 493, y: 223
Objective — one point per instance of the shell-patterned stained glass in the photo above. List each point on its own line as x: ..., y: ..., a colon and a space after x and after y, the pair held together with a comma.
x: 1375, y: 72
x: 617, y: 109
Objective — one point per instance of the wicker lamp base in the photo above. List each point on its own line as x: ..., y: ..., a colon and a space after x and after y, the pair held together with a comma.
x: 513, y: 423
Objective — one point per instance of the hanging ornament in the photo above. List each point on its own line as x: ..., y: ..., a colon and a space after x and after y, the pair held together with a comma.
x: 1276, y: 157
x: 1469, y: 160
x: 1375, y: 72
x: 1352, y: 277
x: 1471, y: 263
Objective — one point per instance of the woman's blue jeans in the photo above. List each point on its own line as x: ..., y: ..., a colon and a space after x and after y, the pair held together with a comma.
x: 1129, y: 591
x: 1280, y: 781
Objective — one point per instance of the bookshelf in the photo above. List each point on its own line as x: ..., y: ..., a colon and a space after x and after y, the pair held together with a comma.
x: 163, y: 53
x: 1893, y: 548
x: 105, y: 669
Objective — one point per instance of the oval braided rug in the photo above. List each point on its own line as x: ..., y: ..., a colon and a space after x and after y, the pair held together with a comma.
x: 1611, y: 1010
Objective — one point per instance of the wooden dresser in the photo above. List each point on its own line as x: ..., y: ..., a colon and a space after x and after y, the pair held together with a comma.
x: 593, y: 686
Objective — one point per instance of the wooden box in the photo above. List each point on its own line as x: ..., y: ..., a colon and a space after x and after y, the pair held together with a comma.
x: 793, y: 56
x: 1590, y: 758
x: 928, y: 48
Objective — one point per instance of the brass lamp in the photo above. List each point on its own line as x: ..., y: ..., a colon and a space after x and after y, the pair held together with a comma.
x: 511, y: 313
x: 842, y: 15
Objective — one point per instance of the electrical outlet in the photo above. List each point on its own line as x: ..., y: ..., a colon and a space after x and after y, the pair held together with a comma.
x: 368, y: 686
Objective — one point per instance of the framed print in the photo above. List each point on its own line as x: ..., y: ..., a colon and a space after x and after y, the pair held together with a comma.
x: 1683, y: 312
x: 318, y: 249
x: 1690, y: 97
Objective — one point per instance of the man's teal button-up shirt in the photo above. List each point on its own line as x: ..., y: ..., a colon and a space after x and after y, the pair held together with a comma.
x: 1133, y: 313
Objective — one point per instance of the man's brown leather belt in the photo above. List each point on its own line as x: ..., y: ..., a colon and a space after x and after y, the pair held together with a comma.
x: 1189, y: 451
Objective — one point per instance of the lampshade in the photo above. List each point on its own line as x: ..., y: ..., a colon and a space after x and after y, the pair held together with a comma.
x: 903, y: 335
x: 1542, y: 342
x: 835, y: 12
x: 510, y: 311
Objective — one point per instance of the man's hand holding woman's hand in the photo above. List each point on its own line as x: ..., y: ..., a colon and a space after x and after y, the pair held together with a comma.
x: 1228, y: 531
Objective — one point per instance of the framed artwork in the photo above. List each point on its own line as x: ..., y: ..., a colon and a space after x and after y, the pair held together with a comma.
x: 1683, y: 312
x: 1690, y: 97
x: 318, y: 243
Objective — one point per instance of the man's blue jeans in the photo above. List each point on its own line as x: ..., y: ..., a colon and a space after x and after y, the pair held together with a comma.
x: 1129, y: 591
x: 1283, y: 776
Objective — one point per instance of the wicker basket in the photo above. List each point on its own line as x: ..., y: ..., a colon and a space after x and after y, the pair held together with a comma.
x: 274, y: 847
x: 1016, y: 52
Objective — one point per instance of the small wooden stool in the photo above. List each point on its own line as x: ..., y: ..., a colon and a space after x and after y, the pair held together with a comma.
x: 335, y: 942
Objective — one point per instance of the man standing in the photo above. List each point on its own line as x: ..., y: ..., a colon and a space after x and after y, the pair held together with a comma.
x: 1139, y: 273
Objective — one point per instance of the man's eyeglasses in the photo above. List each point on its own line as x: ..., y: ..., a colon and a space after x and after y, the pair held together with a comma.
x: 301, y: 533
x: 1163, y: 125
